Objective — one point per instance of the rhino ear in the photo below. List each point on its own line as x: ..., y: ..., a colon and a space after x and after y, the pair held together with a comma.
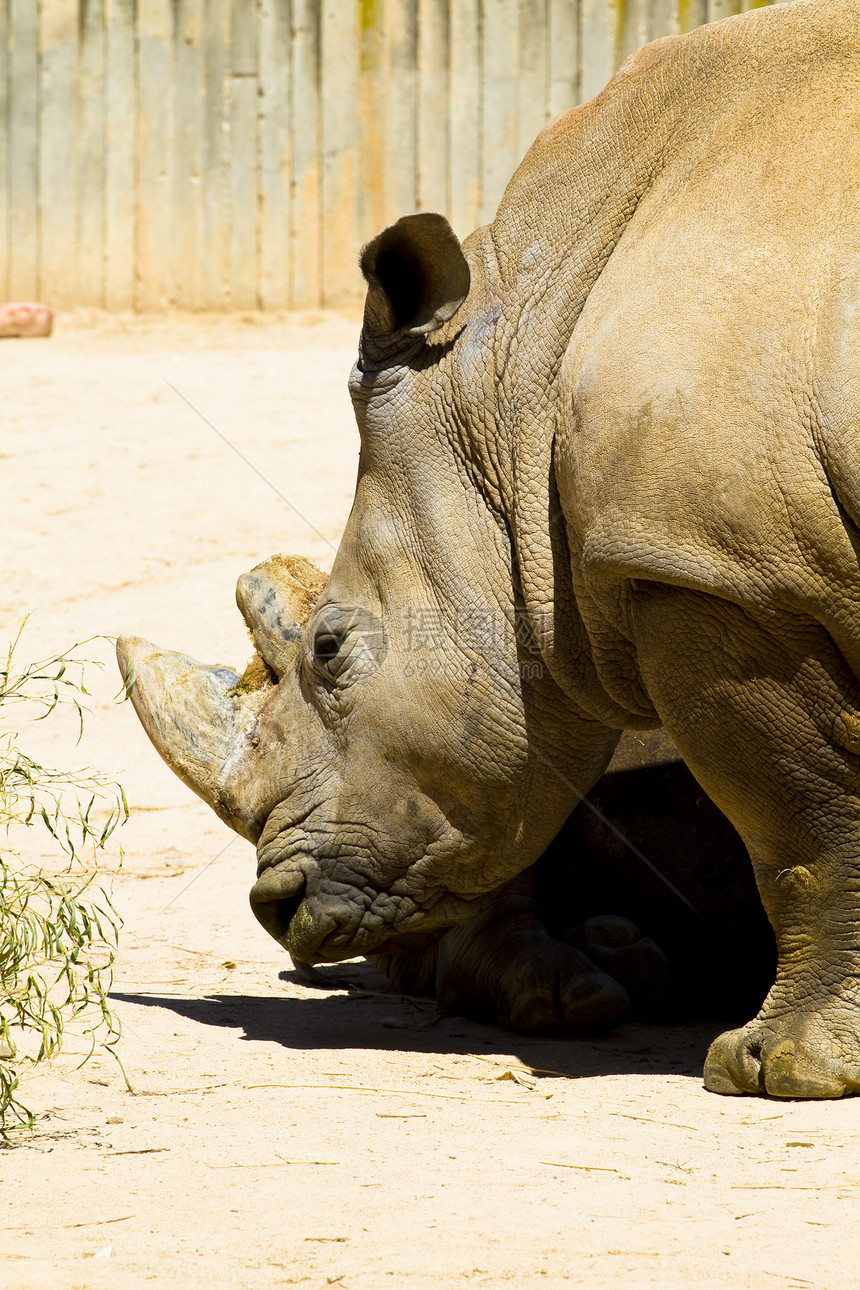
x: 417, y: 278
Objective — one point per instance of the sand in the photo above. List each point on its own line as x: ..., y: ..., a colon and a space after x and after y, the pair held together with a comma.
x: 279, y: 1134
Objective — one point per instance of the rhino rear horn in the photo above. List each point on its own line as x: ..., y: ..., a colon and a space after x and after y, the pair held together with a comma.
x: 417, y: 279
x: 276, y: 599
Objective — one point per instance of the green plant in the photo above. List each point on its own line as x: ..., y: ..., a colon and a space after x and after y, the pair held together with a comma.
x: 58, y: 931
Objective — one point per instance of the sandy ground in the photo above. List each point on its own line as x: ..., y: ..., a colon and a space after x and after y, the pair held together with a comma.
x: 277, y: 1134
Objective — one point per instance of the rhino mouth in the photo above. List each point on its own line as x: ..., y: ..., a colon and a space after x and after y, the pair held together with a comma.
x: 316, y: 926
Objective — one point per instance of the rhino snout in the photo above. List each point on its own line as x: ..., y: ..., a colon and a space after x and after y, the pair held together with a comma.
x: 314, y: 928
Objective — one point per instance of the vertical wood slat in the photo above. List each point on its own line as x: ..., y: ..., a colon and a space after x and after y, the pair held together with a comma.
x: 186, y: 191
x: 339, y: 147
x: 275, y: 153
x: 155, y: 78
x: 563, y: 55
x: 434, y: 124
x: 718, y: 9
x: 214, y: 246
x: 599, y: 33
x: 5, y: 136
x: 24, y: 149
x: 119, y: 211
x: 243, y: 155
x: 465, y: 115
x: 58, y: 161
x: 397, y: 107
x: 500, y: 132
x: 306, y: 184
x: 532, y: 73
x: 692, y: 13
x: 90, y: 143
x: 634, y: 27
x: 664, y: 18
x: 371, y: 206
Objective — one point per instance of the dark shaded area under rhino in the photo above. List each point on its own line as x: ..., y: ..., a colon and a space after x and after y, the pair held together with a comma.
x: 647, y: 843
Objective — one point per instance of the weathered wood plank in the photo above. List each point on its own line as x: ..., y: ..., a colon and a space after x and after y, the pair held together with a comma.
x: 5, y: 136
x: 120, y: 138
x: 371, y: 204
x: 633, y: 27
x: 664, y: 18
x: 243, y: 161
x: 186, y: 244
x: 563, y: 41
x: 533, y: 75
x: 243, y: 38
x: 24, y: 149
x: 215, y: 159
x: 718, y: 9
x: 341, y: 282
x: 90, y: 152
x: 275, y: 153
x: 58, y: 180
x: 155, y: 80
x: 466, y: 104
x: 305, y: 193
x: 434, y: 123
x: 599, y: 56
x: 397, y: 106
x: 692, y: 13
x: 500, y: 133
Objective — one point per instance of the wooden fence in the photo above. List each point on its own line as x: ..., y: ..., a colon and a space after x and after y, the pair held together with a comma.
x: 217, y: 154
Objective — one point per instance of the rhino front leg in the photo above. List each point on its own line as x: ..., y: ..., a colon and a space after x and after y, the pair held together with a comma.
x: 504, y: 966
x: 767, y: 716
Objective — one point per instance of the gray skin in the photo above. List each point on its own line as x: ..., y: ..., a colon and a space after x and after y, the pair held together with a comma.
x: 608, y: 449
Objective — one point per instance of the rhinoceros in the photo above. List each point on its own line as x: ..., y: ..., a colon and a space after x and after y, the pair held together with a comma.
x: 609, y: 481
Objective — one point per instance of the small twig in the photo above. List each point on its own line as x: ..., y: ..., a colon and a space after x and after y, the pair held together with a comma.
x: 93, y: 1222
x: 397, y: 1092
x: 359, y: 992
x: 561, y: 1164
x: 141, y: 1151
x: 791, y: 1187
x: 668, y: 1124
x: 274, y: 1164
x: 400, y: 1115
x: 526, y: 1066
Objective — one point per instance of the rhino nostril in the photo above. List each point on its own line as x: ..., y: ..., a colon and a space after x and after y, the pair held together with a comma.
x: 275, y: 899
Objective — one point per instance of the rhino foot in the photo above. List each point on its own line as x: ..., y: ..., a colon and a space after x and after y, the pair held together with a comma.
x: 815, y: 1054
x: 510, y: 970
x: 618, y: 947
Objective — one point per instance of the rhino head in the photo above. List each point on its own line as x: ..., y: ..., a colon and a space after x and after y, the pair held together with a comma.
x: 388, y: 748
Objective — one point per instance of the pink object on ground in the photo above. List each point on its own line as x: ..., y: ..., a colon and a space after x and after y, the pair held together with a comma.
x: 25, y: 318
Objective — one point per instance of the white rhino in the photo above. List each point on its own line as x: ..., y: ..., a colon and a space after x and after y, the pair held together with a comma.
x: 609, y: 480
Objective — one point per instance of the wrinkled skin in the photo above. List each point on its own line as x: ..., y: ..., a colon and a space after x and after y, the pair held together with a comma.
x: 609, y: 455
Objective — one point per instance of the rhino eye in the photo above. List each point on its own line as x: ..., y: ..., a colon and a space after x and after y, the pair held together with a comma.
x: 326, y: 648
x: 347, y: 640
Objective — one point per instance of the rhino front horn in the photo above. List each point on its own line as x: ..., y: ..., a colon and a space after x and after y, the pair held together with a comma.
x: 198, y: 718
